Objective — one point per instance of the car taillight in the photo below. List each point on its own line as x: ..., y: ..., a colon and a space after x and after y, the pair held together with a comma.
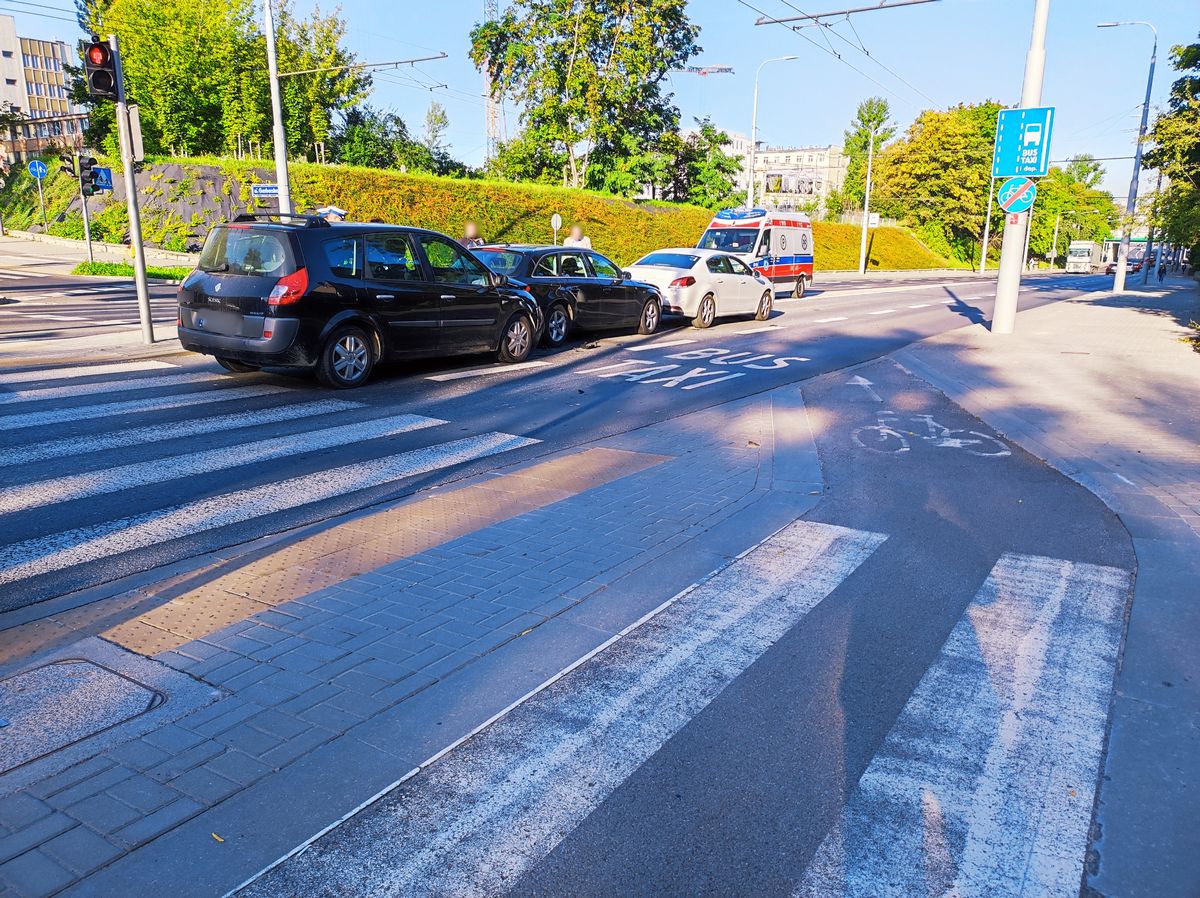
x: 289, y: 288
x: 685, y: 281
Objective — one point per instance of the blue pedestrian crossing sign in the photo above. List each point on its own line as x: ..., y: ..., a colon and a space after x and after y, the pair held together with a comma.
x: 38, y: 169
x: 1017, y: 194
x: 1023, y: 143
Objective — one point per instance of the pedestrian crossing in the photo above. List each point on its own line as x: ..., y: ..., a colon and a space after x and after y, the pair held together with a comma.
x: 205, y: 439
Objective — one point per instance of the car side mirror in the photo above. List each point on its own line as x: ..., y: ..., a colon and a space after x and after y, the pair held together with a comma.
x: 499, y: 280
x: 626, y: 276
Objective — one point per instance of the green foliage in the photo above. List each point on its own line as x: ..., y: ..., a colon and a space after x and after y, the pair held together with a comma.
x: 588, y: 74
x: 125, y: 270
x: 1068, y: 196
x: 1175, y: 151
x: 870, y: 122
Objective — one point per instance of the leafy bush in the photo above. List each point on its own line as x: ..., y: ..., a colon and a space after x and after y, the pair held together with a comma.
x: 125, y: 270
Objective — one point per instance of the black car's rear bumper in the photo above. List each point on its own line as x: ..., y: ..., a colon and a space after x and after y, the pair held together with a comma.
x: 280, y: 348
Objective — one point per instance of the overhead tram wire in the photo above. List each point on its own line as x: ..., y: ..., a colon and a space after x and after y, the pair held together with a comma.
x: 40, y: 15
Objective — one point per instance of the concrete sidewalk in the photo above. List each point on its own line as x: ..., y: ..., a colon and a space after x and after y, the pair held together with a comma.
x: 1107, y: 390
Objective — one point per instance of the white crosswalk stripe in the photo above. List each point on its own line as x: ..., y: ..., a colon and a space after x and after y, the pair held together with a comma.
x: 57, y: 551
x: 492, y: 809
x: 155, y: 433
x: 984, y: 786
x: 123, y: 477
x: 139, y: 383
x: 134, y: 406
x: 48, y: 374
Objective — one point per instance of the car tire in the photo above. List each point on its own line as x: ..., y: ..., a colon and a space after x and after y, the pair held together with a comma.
x: 346, y: 359
x: 800, y: 288
x: 706, y: 312
x: 651, y: 316
x: 236, y: 367
x: 558, y: 326
x: 764, y: 306
x: 516, y: 340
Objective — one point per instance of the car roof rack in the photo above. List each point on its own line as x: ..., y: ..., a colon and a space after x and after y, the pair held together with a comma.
x: 288, y: 218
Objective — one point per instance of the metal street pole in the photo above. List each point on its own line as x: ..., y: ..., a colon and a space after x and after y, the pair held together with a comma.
x: 125, y: 136
x: 987, y: 229
x: 1008, y: 280
x: 279, y: 138
x: 42, y: 202
x: 87, y: 225
x: 754, y: 128
x: 1131, y: 201
x: 1150, y: 236
x: 1054, y: 245
x: 862, y: 243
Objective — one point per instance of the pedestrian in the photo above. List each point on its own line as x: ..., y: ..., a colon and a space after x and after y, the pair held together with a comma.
x: 578, y: 238
x: 470, y: 238
x: 332, y: 214
x: 1162, y: 272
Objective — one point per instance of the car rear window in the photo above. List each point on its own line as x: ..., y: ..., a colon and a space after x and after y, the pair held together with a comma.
x: 668, y: 260
x: 253, y: 251
x: 500, y: 261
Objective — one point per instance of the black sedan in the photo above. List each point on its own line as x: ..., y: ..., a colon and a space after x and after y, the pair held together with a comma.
x: 577, y: 288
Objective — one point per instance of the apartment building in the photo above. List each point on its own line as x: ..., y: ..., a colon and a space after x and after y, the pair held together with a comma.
x: 798, y: 177
x: 34, y: 89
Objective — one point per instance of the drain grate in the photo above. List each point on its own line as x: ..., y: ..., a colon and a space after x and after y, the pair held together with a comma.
x: 60, y: 703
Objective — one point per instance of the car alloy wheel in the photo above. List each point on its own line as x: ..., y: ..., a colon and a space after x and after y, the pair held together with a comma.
x: 707, y: 312
x: 350, y: 355
x: 798, y: 290
x: 650, y: 317
x: 557, y: 325
x: 517, y: 341
x: 764, y: 307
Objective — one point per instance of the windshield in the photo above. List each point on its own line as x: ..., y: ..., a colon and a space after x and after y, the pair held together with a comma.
x: 499, y: 260
x: 1080, y: 251
x: 668, y: 260
x: 243, y: 250
x: 733, y: 240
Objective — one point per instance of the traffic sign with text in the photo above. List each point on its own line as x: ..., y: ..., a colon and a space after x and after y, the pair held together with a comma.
x: 1023, y: 143
x: 264, y: 191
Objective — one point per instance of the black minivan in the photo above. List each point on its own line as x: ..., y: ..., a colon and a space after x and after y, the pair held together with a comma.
x: 298, y: 291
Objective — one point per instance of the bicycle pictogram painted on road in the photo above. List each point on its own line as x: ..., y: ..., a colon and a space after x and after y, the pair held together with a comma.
x: 887, y: 438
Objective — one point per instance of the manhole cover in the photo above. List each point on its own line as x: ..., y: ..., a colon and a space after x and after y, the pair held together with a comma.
x: 58, y: 704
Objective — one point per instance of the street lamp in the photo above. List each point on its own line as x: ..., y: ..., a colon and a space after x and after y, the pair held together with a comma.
x: 1131, y: 202
x: 754, y: 127
x: 279, y: 137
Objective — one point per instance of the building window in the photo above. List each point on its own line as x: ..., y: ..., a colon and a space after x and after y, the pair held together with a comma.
x: 10, y: 81
x: 7, y: 54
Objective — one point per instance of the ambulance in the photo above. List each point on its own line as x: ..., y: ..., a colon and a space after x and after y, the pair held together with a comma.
x: 777, y: 245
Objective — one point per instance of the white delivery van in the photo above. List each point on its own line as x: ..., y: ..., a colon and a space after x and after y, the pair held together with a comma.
x: 1083, y: 257
x: 777, y: 245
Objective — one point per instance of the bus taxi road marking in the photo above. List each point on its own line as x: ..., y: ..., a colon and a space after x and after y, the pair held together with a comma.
x: 645, y: 347
x: 669, y: 373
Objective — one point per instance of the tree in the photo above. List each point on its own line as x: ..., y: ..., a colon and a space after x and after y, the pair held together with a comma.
x: 1068, y: 197
x: 871, y: 118
x: 587, y: 74
x: 1175, y: 151
x: 370, y: 138
x: 436, y: 123
x: 1084, y: 169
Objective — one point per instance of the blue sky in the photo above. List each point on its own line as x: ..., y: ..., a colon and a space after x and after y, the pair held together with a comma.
x: 948, y: 52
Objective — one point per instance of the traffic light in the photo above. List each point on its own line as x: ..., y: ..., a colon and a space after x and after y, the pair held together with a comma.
x: 87, y: 176
x: 100, y: 69
x: 68, y: 165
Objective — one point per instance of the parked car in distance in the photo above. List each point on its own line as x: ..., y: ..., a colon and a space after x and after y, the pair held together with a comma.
x: 703, y: 284
x: 1133, y: 266
x: 298, y: 291
x: 577, y: 288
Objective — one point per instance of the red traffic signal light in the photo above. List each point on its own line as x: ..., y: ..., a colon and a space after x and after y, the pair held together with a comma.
x: 100, y: 69
x: 98, y: 54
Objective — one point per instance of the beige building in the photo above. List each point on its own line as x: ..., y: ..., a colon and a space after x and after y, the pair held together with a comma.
x: 33, y: 86
x: 798, y: 177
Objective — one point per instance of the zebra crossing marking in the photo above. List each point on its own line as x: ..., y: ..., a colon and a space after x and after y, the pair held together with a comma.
x: 57, y: 551
x: 140, y: 383
x: 114, y: 480
x: 47, y: 374
x: 984, y: 785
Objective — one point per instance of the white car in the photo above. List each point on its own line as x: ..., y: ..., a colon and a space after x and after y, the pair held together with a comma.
x: 705, y: 283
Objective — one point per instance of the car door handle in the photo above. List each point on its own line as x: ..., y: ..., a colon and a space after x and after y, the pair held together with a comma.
x: 384, y: 296
x: 448, y: 296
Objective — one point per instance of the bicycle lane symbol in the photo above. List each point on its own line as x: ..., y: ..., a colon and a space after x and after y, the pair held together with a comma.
x: 884, y: 436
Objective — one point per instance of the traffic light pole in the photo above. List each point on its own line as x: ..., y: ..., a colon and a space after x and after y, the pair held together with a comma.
x: 125, y: 133
x: 87, y: 225
x: 1012, y: 250
x: 278, y: 135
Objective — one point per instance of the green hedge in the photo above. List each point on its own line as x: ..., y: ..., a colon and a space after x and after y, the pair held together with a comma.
x: 125, y: 270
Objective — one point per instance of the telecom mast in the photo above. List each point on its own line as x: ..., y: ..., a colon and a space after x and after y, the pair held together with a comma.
x: 491, y: 12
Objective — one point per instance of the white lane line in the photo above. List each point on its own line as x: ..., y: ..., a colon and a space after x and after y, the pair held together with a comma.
x: 829, y: 320
x: 493, y: 807
x: 44, y: 374
x: 881, y: 312
x: 33, y: 313
x: 920, y: 305
x: 43, y: 555
x: 759, y: 330
x: 984, y: 785
x: 155, y: 433
x: 482, y: 372
x: 134, y: 406
x: 113, y: 480
x: 8, y: 272
x: 661, y: 344
x: 121, y: 386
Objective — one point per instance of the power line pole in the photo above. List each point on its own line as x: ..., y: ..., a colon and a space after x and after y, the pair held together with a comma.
x: 278, y: 136
x: 1008, y: 280
x: 1150, y: 236
x: 491, y: 111
x: 987, y: 228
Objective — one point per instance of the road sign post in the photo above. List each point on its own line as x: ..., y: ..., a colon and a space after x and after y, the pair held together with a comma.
x: 556, y: 224
x: 1018, y: 140
x: 37, y: 168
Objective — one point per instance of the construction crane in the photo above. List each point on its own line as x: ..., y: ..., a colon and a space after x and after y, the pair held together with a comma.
x: 703, y: 70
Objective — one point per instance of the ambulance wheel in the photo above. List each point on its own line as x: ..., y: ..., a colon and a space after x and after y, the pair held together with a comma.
x: 798, y: 290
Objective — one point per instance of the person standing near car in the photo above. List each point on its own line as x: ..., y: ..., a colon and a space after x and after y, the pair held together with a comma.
x: 470, y: 238
x: 578, y: 238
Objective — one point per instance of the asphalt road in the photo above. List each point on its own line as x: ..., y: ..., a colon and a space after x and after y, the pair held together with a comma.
x: 67, y: 534
x: 50, y: 307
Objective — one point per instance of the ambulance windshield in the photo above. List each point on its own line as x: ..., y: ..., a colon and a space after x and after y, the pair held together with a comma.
x: 732, y: 240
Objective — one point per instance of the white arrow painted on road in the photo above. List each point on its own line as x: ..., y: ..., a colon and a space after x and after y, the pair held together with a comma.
x: 857, y: 381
